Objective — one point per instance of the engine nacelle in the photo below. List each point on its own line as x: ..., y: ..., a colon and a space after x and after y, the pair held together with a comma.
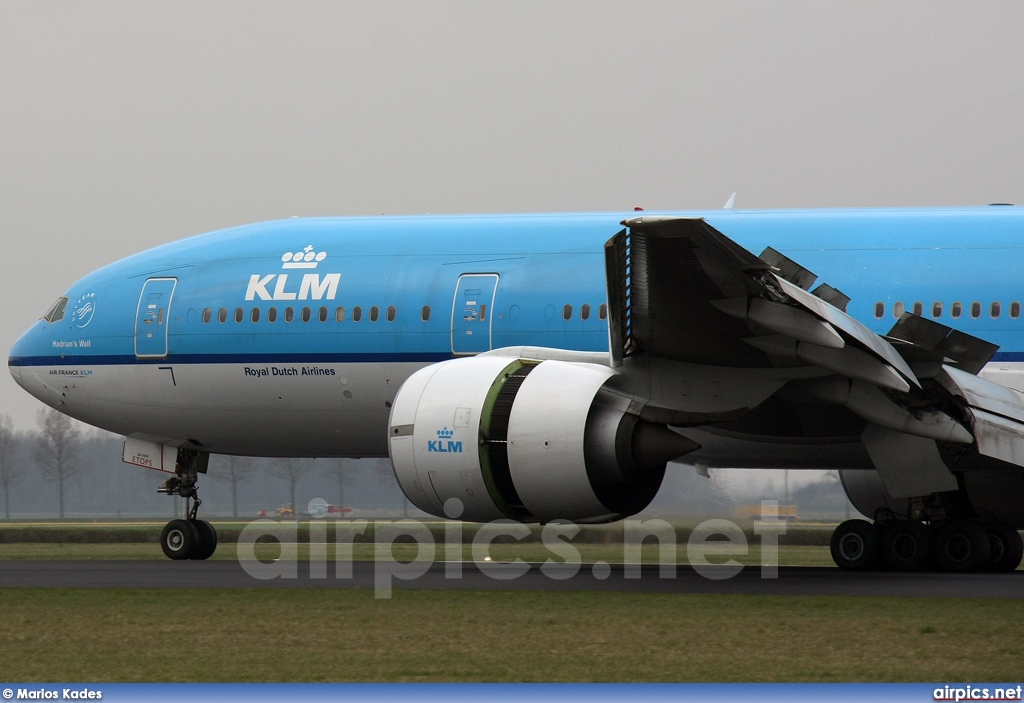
x: 526, y: 440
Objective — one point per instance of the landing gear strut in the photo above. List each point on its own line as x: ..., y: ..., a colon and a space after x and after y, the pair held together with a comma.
x: 188, y: 537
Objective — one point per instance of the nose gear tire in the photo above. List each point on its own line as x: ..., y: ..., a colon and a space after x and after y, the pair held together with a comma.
x: 207, y: 540
x: 179, y: 539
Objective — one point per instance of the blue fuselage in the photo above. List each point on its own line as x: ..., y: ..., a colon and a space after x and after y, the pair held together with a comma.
x: 224, y: 321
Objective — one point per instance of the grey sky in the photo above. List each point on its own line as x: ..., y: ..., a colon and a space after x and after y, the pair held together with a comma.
x: 126, y: 125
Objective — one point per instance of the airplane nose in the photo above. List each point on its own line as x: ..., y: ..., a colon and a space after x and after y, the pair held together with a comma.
x: 23, y: 362
x: 12, y: 361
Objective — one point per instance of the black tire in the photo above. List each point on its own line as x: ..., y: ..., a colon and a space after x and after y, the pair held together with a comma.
x: 207, y: 540
x: 906, y: 546
x: 179, y: 539
x: 1007, y: 548
x: 961, y: 546
x: 856, y: 545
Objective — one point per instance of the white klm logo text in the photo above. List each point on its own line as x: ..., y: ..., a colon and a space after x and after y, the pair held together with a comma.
x: 312, y: 286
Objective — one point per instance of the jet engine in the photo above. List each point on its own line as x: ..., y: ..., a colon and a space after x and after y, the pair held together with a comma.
x: 532, y: 441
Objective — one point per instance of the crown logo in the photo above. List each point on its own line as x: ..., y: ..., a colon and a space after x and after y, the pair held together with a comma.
x: 445, y: 433
x: 305, y: 259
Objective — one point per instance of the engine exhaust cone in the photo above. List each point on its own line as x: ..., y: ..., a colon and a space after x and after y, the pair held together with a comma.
x: 655, y: 445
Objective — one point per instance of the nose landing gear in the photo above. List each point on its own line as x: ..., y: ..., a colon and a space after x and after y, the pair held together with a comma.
x: 188, y: 537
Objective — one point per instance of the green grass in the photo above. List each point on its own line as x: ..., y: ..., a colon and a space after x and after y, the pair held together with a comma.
x: 347, y: 635
x: 112, y: 531
x: 612, y: 553
x: 804, y: 544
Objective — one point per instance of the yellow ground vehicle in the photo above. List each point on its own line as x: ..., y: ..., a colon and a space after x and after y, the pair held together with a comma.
x: 756, y: 512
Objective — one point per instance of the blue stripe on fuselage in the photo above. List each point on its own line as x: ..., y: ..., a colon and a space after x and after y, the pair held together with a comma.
x: 544, y: 262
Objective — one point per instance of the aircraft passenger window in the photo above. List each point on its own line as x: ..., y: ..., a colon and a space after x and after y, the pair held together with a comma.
x: 602, y: 312
x: 919, y: 308
x: 897, y: 310
x: 374, y: 313
x: 239, y: 314
x: 222, y: 315
x: 339, y: 315
x: 1015, y: 310
x: 567, y: 312
x: 995, y: 309
x: 56, y: 311
x: 936, y: 309
x: 289, y: 314
x: 322, y: 315
x: 879, y: 310
x: 584, y: 312
x: 956, y: 310
x: 483, y: 313
x: 272, y: 315
x: 306, y: 314
x: 160, y: 317
x: 207, y: 316
x: 975, y: 309
x: 391, y: 313
x: 254, y: 315
x: 425, y: 313
x: 357, y: 314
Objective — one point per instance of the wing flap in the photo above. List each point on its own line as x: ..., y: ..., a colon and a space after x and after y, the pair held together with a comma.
x: 984, y: 394
x: 998, y: 437
x: 840, y: 320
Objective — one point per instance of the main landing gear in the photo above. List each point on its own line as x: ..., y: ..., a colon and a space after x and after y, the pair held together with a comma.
x: 188, y: 537
x: 956, y: 545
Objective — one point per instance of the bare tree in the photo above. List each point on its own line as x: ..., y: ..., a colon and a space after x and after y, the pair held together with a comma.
x: 338, y: 470
x: 56, y: 449
x: 385, y: 475
x: 235, y: 470
x: 10, y: 471
x: 291, y: 470
x: 836, y: 477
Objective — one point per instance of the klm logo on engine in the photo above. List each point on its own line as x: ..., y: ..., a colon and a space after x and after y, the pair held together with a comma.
x: 444, y: 442
x: 275, y: 286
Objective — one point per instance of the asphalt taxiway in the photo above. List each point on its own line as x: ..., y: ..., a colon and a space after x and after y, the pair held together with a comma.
x: 792, y: 581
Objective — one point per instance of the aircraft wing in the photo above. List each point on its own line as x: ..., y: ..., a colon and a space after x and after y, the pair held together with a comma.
x: 679, y: 289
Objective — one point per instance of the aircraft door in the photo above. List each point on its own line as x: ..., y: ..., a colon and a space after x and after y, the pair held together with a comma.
x: 472, y: 312
x: 153, y: 316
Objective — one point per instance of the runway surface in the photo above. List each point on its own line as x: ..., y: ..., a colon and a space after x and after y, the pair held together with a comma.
x: 792, y: 581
